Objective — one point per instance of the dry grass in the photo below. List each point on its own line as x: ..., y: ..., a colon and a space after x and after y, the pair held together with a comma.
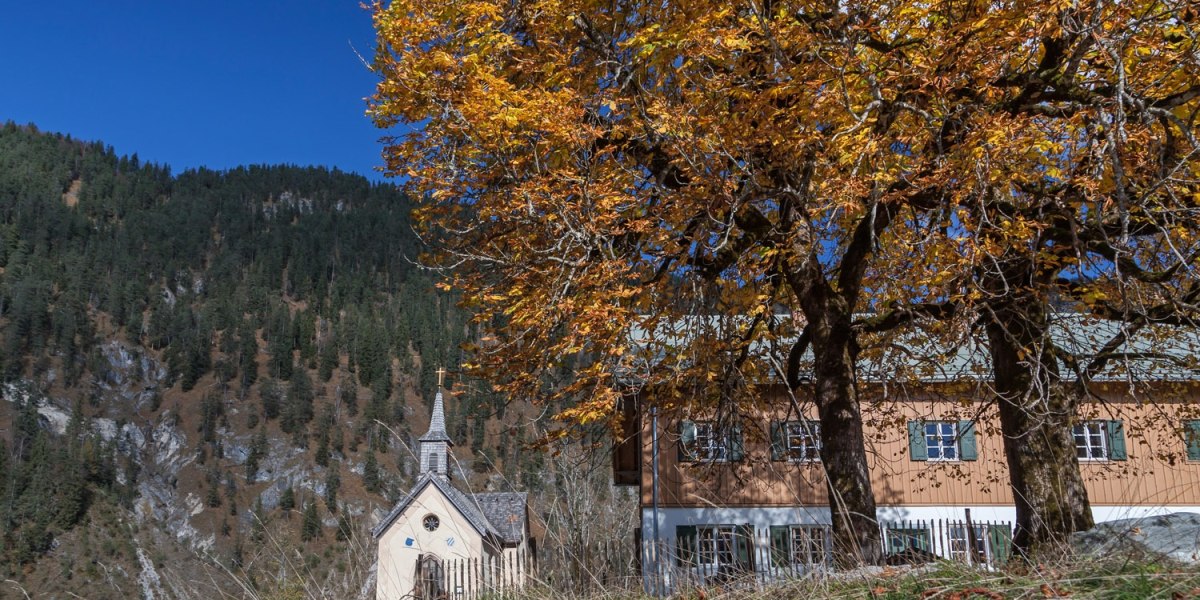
x: 1081, y: 579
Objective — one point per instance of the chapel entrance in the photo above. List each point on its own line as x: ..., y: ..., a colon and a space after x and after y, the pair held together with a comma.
x: 430, y: 584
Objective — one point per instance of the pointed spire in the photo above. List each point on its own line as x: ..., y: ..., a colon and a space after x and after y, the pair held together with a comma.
x: 437, y: 422
x: 435, y: 444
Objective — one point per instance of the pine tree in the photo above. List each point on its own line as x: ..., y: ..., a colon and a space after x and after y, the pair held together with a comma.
x: 348, y: 394
x: 287, y: 500
x: 344, y: 531
x: 321, y: 457
x: 213, y: 497
x: 333, y: 481
x: 298, y: 409
x: 258, y: 521
x: 230, y: 487
x: 272, y: 398
x: 280, y: 344
x: 371, y: 479
x: 247, y: 355
x: 258, y: 451
x: 310, y: 527
x: 328, y: 358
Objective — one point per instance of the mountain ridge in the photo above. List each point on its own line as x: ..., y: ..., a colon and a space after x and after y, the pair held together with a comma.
x: 236, y: 346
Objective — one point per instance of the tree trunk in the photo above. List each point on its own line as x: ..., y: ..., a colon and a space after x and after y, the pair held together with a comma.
x: 1036, y: 411
x: 843, y: 452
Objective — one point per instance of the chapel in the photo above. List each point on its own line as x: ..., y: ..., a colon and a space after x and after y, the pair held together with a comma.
x: 440, y: 540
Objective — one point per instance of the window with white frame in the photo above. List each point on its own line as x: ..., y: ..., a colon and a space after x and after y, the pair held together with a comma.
x: 809, y: 544
x: 1091, y: 440
x: 715, y: 544
x: 960, y: 541
x: 711, y: 443
x: 941, y: 440
x: 803, y: 439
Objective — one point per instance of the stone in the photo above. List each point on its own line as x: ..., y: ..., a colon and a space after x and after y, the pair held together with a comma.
x: 1172, y: 537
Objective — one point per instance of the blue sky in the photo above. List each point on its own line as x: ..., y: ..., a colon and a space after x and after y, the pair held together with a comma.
x: 214, y: 83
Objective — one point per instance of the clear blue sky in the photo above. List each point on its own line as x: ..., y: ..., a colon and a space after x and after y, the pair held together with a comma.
x: 188, y: 83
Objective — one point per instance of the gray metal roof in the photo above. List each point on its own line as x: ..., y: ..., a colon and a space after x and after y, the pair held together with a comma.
x: 1154, y: 353
x: 506, y: 511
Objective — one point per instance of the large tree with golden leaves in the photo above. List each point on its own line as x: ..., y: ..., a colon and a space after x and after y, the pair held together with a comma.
x: 596, y: 170
x: 1083, y: 191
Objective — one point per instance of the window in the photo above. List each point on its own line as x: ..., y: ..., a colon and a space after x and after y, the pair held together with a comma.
x: 903, y: 539
x: 431, y: 522
x: 715, y: 549
x: 1090, y: 441
x: 960, y: 541
x: 799, y: 545
x: 808, y: 545
x: 710, y: 444
x: 716, y: 545
x: 704, y: 441
x: 1099, y: 440
x: 1191, y: 439
x: 942, y: 440
x: 797, y: 441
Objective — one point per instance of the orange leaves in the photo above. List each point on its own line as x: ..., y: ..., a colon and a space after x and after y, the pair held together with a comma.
x: 586, y: 167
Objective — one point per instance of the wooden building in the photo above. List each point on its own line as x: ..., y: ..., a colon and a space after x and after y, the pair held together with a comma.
x: 750, y: 496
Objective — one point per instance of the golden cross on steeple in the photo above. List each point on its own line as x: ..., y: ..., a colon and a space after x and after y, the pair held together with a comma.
x: 441, y: 373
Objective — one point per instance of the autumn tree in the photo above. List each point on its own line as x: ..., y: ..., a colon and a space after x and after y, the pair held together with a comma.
x: 1082, y: 194
x: 595, y: 170
x: 600, y: 170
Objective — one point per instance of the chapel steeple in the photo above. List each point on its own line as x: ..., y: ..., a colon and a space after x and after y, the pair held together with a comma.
x: 435, y: 444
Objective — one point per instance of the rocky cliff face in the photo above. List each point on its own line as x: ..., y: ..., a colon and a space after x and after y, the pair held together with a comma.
x: 153, y: 428
x: 211, y: 354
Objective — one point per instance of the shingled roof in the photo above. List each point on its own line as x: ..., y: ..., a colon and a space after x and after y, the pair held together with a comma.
x: 506, y: 512
x: 459, y: 500
x: 437, y: 422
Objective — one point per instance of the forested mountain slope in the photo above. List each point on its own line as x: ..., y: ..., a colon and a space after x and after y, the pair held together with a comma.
x: 214, y: 356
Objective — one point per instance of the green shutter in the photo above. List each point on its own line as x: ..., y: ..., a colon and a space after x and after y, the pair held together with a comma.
x: 687, y: 441
x: 1000, y: 540
x: 916, y: 441
x: 685, y: 544
x: 744, y: 542
x: 966, y: 441
x: 737, y: 449
x: 778, y: 443
x: 780, y: 548
x: 1191, y: 433
x: 1116, y: 440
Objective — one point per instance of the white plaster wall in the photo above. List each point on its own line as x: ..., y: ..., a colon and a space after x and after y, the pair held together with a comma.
x: 407, y: 539
x: 762, y: 518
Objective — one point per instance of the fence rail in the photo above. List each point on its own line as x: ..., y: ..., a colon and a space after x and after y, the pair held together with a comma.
x: 729, y: 557
x: 467, y: 578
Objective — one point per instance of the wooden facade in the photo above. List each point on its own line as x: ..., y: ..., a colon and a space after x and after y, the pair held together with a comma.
x: 1155, y: 472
